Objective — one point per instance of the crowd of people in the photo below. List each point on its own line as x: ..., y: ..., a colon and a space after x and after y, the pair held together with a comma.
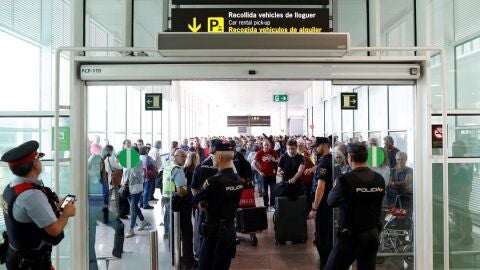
x: 306, y: 166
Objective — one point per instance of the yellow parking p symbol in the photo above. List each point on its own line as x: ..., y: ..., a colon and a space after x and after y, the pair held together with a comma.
x: 216, y: 24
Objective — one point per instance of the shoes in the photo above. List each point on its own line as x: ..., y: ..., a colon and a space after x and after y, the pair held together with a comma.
x: 153, y: 199
x: 117, y: 254
x: 123, y: 217
x: 148, y: 207
x: 271, y: 209
x: 143, y: 224
x: 105, y: 215
x: 129, y: 233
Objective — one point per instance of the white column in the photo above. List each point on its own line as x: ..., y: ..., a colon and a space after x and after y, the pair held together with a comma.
x: 78, y: 154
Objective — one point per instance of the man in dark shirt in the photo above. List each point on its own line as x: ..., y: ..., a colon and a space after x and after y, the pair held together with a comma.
x: 321, y: 212
x: 391, y: 150
x: 359, y: 195
x: 291, y: 167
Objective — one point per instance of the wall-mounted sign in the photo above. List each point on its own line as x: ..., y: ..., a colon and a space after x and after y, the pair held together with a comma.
x: 437, y: 136
x: 250, y: 2
x: 349, y: 101
x: 248, y: 121
x: 63, y: 138
x: 251, y: 20
x: 153, y: 102
x: 280, y: 98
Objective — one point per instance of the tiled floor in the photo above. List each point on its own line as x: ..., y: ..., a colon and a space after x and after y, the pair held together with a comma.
x: 266, y: 255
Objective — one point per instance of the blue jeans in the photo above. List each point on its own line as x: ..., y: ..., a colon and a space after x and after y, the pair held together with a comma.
x: 259, y: 181
x: 134, y: 209
x: 147, y: 185
x: 106, y: 192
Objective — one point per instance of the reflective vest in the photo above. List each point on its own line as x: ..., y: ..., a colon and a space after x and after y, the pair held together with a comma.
x: 168, y: 183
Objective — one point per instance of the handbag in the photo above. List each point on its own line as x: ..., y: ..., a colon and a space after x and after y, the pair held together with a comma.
x: 124, y: 192
x: 247, y: 199
x: 116, y: 176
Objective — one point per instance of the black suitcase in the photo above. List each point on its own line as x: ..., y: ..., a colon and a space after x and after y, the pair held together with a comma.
x: 289, y: 219
x: 250, y: 220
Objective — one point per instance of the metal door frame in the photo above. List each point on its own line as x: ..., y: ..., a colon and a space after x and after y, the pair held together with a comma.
x: 423, y: 155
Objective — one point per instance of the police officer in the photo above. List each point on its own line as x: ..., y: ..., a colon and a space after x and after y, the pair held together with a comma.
x: 321, y: 212
x: 219, y: 197
x: 32, y: 212
x: 359, y: 195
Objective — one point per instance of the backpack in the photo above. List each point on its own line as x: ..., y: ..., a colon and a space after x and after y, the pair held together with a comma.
x: 150, y: 171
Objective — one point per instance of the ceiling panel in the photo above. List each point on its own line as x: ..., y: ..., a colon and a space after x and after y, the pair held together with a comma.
x: 249, y: 97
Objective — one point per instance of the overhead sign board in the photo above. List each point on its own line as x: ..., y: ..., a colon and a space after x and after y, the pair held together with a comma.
x: 248, y: 121
x: 250, y: 2
x: 153, y: 102
x: 349, y: 101
x: 250, y: 20
x: 280, y: 98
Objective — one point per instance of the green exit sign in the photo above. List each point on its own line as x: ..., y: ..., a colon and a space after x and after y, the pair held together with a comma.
x: 280, y: 98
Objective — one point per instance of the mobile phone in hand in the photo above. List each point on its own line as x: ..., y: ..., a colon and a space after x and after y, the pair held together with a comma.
x: 68, y: 199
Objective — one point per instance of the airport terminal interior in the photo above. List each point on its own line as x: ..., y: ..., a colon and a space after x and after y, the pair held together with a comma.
x: 78, y: 75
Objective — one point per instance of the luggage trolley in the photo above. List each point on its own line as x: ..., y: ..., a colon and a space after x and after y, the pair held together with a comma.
x: 250, y: 219
x: 397, y: 234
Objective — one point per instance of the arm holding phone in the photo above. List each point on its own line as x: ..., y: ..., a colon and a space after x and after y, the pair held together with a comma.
x: 68, y: 210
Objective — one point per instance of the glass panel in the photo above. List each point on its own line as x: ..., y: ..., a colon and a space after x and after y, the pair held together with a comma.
x: 105, y: 23
x: 359, y: 114
x: 437, y: 214
x: 464, y: 215
x: 436, y: 80
x: 347, y: 120
x: 464, y: 131
x: 97, y: 108
x: 117, y: 101
x: 468, y: 81
x: 378, y: 108
x: 352, y: 18
x: 328, y: 116
x: 24, y: 94
x: 401, y: 109
x: 397, y: 24
x: 103, y: 208
x: 147, y: 22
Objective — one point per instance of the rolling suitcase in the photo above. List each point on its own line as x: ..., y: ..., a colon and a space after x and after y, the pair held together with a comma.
x: 250, y: 220
x: 289, y: 219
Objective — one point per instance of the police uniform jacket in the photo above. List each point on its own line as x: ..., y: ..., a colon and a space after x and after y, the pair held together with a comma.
x: 221, y: 196
x: 359, y: 195
x: 27, y: 213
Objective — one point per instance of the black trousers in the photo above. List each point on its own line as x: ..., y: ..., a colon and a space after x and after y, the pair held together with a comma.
x: 324, y: 234
x: 269, y: 181
x: 186, y: 231
x: 31, y: 262
x: 361, y: 247
x: 216, y: 253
